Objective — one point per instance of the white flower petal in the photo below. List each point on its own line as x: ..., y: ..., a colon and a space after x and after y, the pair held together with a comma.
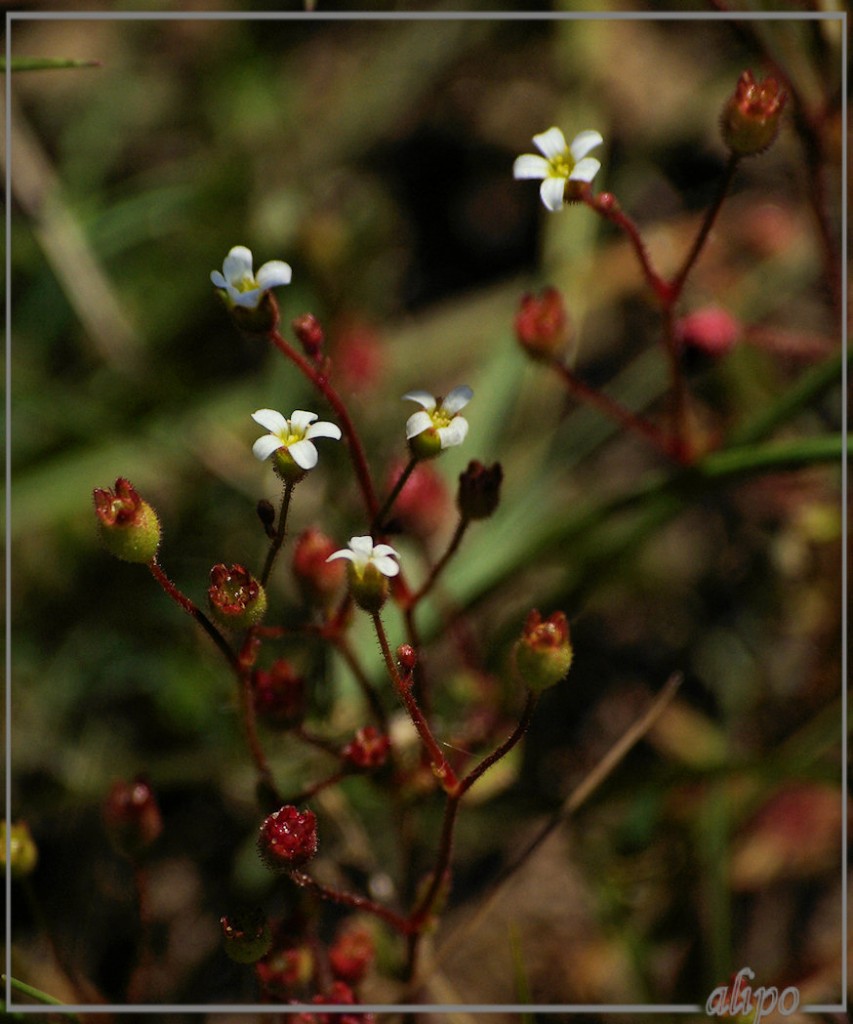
x: 417, y: 423
x: 530, y: 166
x: 585, y: 170
x: 583, y: 143
x: 423, y: 398
x: 303, y: 453
x: 551, y: 190
x: 248, y: 299
x: 362, y: 546
x: 273, y: 421
x: 454, y: 433
x: 274, y: 273
x: 265, y: 446
x: 301, y: 420
x: 323, y: 429
x: 237, y: 264
x: 385, y: 549
x: 343, y: 553
x: 457, y: 399
x: 218, y: 279
x: 387, y: 566
x: 551, y: 143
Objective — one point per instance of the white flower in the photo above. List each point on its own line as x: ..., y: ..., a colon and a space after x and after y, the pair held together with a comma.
x: 243, y: 287
x: 441, y: 416
x: 294, y: 435
x: 559, y: 164
x: 362, y: 552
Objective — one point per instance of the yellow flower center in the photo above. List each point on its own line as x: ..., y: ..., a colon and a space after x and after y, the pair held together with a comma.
x: 561, y: 166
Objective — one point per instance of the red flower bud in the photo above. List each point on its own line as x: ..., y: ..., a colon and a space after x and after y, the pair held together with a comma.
x: 368, y: 748
x: 407, y: 659
x: 711, y: 330
x: 279, y: 694
x: 236, y: 598
x: 351, y: 954
x: 750, y: 118
x: 309, y: 334
x: 479, y: 490
x: 421, y: 506
x: 542, y: 324
x: 319, y: 580
x: 132, y: 817
x: 288, y: 838
x: 285, y: 971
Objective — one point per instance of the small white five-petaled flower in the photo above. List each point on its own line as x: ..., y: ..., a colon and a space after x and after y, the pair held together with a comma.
x: 438, y: 425
x: 241, y: 285
x: 559, y: 164
x: 362, y: 552
x: 291, y: 437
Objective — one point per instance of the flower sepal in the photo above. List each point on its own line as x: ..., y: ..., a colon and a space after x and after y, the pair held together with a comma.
x: 260, y: 319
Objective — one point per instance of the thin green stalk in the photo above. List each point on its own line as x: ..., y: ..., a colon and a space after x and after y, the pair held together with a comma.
x: 39, y: 996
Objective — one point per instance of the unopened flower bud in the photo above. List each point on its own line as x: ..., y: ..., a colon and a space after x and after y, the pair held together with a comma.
x: 247, y: 937
x: 132, y: 817
x: 712, y: 330
x: 319, y: 580
x: 351, y: 954
x: 23, y: 851
x: 288, y: 838
x: 368, y: 748
x: 751, y: 116
x: 544, y: 652
x: 237, y: 599
x: 285, y: 971
x: 279, y: 694
x: 127, y: 525
x: 407, y: 658
x: 310, y: 335
x: 479, y: 490
x: 542, y: 324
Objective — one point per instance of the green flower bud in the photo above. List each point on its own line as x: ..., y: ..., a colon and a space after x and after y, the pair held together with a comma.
x: 543, y: 655
x: 247, y: 937
x: 127, y: 525
x: 237, y: 600
x: 22, y: 849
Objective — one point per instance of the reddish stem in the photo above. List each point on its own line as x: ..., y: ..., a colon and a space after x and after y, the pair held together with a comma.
x: 388, y: 504
x: 349, y: 899
x: 355, y: 446
x: 440, y: 765
x: 618, y: 412
x: 192, y: 609
x: 455, y: 541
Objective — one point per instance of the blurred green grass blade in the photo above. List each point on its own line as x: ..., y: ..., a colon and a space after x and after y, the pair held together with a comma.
x: 46, y: 64
x: 38, y: 995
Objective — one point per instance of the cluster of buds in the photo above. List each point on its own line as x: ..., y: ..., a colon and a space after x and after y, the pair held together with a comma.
x: 288, y: 838
x: 751, y: 116
x: 127, y: 525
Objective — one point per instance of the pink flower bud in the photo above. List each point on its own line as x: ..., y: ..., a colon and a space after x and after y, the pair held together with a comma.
x: 368, y: 748
x: 319, y: 580
x: 351, y: 954
x: 132, y: 817
x: 279, y: 694
x: 542, y: 324
x: 711, y: 330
